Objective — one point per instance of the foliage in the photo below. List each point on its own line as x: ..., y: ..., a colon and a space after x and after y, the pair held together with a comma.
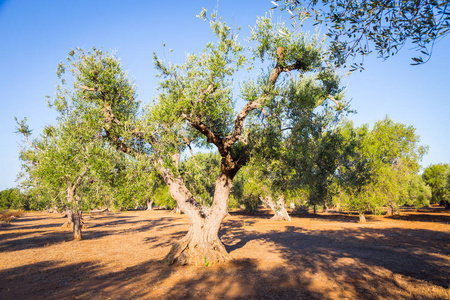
x: 419, y: 194
x: 241, y: 192
x: 10, y: 198
x: 389, y: 25
x: 448, y: 187
x: 317, y: 158
x: 247, y: 189
x: 70, y: 163
x: 377, y: 165
x: 133, y: 184
x: 280, y: 108
x: 200, y: 172
x: 436, y: 176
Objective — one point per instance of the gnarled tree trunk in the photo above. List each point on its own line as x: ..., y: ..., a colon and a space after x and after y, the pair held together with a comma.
x: 69, y: 222
x: 201, y: 245
x: 362, y: 218
x: 150, y: 204
x: 77, y: 224
x: 392, y: 210
x: 278, y: 208
x: 75, y: 211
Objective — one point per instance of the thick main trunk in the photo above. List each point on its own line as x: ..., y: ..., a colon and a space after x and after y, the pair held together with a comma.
x: 201, y: 245
x: 392, y: 210
x: 77, y: 224
x: 74, y: 212
x: 280, y: 212
x: 362, y: 218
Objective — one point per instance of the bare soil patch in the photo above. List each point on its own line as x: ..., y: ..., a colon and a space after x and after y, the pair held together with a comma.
x: 323, y: 256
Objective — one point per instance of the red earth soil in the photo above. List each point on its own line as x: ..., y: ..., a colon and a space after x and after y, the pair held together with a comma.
x: 322, y: 256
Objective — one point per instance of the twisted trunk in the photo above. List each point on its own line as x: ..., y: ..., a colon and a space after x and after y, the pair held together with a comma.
x: 69, y: 222
x: 150, y: 204
x: 391, y: 210
x: 280, y: 212
x: 74, y: 212
x: 362, y: 218
x: 201, y: 245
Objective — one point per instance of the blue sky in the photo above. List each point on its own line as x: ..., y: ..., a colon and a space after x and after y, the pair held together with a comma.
x: 36, y: 35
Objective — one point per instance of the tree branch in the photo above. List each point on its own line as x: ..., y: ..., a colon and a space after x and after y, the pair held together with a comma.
x: 339, y: 105
x: 240, y: 118
x: 210, y: 136
x: 32, y: 145
x: 90, y: 89
x: 209, y: 90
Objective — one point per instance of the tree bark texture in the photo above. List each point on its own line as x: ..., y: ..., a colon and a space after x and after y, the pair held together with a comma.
x: 201, y: 246
x: 77, y: 224
x: 75, y: 212
x: 362, y: 218
x: 69, y: 222
x: 392, y: 210
x: 150, y: 204
x: 280, y: 212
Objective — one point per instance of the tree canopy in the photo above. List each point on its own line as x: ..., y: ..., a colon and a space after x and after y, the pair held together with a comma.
x: 436, y: 177
x: 195, y: 107
x: 357, y: 27
x: 377, y: 165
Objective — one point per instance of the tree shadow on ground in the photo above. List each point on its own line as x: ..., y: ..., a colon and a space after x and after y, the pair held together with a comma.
x: 237, y: 279
x: 417, y: 253
x: 52, y: 280
x: 168, y: 240
x: 428, y: 217
x: 43, y: 240
x: 34, y: 236
x: 353, y: 263
x: 20, y: 224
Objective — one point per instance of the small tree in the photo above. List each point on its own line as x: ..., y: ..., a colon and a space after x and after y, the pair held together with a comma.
x: 73, y: 154
x: 378, y: 165
x: 10, y: 198
x: 419, y: 194
x: 65, y: 164
x: 355, y: 172
x: 435, y: 176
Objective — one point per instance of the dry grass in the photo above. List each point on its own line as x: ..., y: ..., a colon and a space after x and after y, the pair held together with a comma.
x: 8, y: 214
x: 323, y: 256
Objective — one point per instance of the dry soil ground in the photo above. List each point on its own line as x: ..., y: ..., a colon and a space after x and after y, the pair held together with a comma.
x: 322, y: 256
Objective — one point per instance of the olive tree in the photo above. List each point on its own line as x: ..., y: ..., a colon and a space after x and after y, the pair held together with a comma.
x: 195, y: 105
x: 71, y: 155
x: 68, y: 160
x: 196, y: 100
x: 377, y: 165
x: 418, y: 193
x: 435, y: 176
